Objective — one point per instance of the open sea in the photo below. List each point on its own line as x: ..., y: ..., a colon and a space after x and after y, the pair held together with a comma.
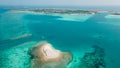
x: 20, y: 31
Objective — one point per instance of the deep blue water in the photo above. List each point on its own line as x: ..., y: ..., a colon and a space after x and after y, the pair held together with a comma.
x: 63, y: 34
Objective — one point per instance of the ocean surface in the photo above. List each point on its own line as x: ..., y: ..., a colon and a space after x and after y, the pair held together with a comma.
x: 19, y: 31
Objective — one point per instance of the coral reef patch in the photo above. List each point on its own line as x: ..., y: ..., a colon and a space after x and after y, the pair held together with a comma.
x: 94, y: 59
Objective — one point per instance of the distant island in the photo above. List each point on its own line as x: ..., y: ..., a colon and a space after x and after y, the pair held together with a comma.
x: 57, y: 11
x: 116, y: 13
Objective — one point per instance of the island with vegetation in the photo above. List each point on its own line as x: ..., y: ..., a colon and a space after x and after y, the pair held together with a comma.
x: 57, y: 11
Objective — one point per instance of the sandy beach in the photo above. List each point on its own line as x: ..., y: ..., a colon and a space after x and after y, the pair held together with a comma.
x: 44, y: 55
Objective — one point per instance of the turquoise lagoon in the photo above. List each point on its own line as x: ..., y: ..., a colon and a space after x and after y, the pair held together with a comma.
x: 19, y: 31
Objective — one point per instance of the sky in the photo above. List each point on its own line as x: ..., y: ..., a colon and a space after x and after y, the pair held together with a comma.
x: 61, y: 2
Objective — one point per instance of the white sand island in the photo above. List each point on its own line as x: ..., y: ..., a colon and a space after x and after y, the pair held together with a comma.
x: 45, y: 56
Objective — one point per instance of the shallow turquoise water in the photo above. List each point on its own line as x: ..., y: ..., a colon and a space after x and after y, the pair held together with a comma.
x: 66, y: 35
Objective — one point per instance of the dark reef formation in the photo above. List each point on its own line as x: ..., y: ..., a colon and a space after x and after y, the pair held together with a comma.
x: 94, y: 59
